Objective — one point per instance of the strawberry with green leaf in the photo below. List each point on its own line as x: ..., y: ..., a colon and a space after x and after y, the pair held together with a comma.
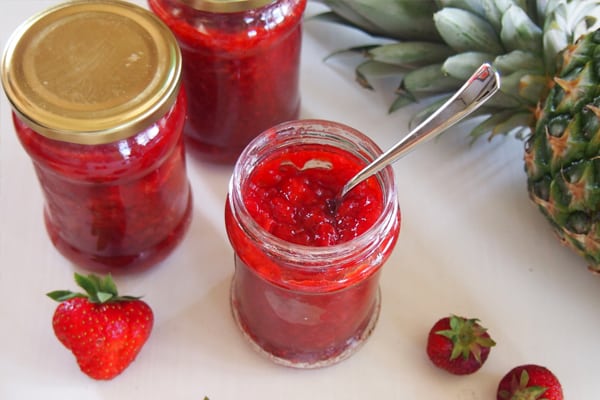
x: 104, y: 331
x: 529, y: 382
x: 458, y: 345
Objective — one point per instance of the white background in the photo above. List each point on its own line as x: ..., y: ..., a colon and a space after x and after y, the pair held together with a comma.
x: 471, y: 243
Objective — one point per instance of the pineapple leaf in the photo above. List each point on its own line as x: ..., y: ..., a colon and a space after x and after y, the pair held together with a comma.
x: 461, y: 66
x: 566, y: 21
x: 583, y: 17
x: 501, y: 123
x: 464, y: 31
x: 410, y: 54
x: 348, y: 15
x: 429, y: 79
x: 375, y: 69
x: 520, y: 32
x: 554, y: 41
x: 474, y: 6
x: 504, y: 100
x: 492, y: 14
x: 518, y: 60
x: 330, y: 16
x: 403, y: 99
x: 523, y: 82
x: 532, y: 87
x: 542, y: 8
x: 504, y: 5
x: 427, y: 111
x: 399, y: 19
x: 364, y: 50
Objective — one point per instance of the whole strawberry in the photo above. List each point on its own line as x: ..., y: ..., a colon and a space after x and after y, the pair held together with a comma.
x: 458, y: 345
x: 529, y: 382
x: 104, y: 331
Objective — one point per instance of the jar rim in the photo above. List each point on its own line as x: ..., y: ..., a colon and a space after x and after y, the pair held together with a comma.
x: 226, y: 6
x: 91, y: 72
x: 313, y: 256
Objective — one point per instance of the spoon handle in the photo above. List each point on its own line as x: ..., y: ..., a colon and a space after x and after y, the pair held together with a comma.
x: 476, y: 91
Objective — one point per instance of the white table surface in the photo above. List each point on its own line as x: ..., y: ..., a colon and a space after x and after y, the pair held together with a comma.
x: 471, y: 243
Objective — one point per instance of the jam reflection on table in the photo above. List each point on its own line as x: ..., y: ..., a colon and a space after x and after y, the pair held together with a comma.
x: 312, y: 316
x: 124, y: 204
x: 240, y: 69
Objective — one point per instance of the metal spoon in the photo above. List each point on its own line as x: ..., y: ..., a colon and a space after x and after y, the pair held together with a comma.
x: 476, y: 91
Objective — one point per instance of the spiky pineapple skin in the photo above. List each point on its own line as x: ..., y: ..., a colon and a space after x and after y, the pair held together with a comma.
x: 562, y: 155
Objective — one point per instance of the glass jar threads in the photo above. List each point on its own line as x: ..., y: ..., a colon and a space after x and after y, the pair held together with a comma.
x: 305, y: 291
x: 97, y: 105
x: 241, y: 61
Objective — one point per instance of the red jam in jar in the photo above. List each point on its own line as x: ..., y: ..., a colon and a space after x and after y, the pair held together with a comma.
x: 241, y: 62
x: 97, y: 105
x: 305, y: 291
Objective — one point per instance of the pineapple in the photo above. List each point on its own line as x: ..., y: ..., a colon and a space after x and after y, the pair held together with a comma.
x: 562, y: 156
x: 548, y: 53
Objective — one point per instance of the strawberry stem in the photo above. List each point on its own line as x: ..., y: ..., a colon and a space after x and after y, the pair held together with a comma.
x: 467, y: 336
x: 97, y: 290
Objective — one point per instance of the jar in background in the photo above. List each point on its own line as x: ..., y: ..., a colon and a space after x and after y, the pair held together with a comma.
x: 305, y: 291
x: 97, y: 105
x: 241, y: 62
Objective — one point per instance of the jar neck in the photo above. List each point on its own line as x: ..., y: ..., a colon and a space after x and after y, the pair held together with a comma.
x: 314, y: 132
x: 226, y: 6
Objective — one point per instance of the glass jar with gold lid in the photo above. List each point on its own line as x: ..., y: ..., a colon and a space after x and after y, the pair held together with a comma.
x: 241, y: 62
x: 97, y: 105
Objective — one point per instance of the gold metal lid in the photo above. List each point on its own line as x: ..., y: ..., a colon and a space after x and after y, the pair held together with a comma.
x: 226, y: 6
x: 91, y: 72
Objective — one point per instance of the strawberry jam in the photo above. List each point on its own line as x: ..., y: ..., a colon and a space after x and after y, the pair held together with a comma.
x: 305, y: 290
x: 291, y: 200
x: 98, y: 106
x: 241, y: 62
x: 120, y: 205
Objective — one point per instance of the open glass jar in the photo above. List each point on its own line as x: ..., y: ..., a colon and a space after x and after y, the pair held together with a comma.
x: 97, y: 105
x: 241, y: 63
x: 305, y: 291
